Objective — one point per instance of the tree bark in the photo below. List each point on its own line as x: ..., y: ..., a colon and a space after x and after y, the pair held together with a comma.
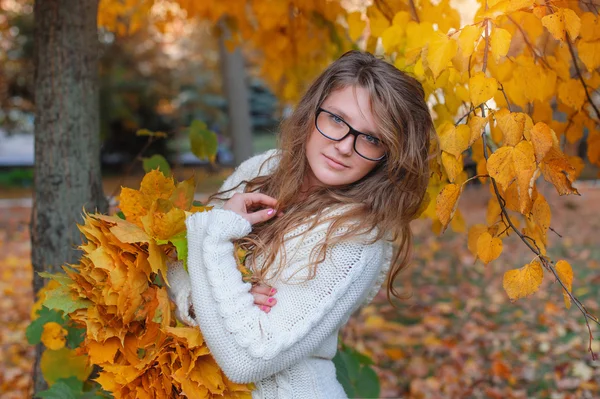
x: 236, y: 91
x: 67, y: 177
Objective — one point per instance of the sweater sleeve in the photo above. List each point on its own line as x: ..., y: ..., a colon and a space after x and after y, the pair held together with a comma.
x: 247, y: 343
x: 179, y: 289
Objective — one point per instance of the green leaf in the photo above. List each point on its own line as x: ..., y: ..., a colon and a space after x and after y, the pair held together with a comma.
x: 353, y: 371
x: 75, y: 335
x: 61, y: 390
x: 62, y: 278
x: 367, y: 384
x: 61, y: 298
x: 121, y: 215
x: 342, y: 375
x: 203, y: 141
x: 197, y: 203
x: 36, y: 327
x: 157, y: 161
x: 180, y: 242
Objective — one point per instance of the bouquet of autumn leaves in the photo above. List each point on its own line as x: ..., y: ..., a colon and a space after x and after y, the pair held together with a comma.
x: 113, y: 311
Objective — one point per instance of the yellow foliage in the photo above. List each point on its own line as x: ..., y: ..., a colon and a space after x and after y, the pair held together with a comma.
x: 488, y: 247
x: 54, y: 336
x: 454, y: 140
x: 64, y: 363
x: 565, y: 273
x: 481, y: 88
x: 519, y: 283
x: 446, y: 203
x: 563, y: 21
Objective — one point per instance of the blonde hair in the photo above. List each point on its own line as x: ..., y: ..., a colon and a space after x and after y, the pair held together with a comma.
x: 384, y: 201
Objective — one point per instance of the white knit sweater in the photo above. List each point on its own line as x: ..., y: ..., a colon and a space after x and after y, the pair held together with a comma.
x: 287, y: 352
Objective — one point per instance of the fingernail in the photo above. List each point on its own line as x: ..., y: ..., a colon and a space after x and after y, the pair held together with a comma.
x: 273, y: 290
x: 270, y: 212
x: 264, y: 308
x: 271, y: 300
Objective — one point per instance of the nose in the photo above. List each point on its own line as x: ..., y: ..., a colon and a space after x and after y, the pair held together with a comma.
x: 346, y: 145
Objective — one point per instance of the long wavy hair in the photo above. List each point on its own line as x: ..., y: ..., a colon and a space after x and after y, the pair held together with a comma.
x: 384, y: 201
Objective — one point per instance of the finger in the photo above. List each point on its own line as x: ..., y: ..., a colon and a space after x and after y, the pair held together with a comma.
x: 261, y: 216
x: 264, y: 300
x: 252, y: 199
x: 263, y: 289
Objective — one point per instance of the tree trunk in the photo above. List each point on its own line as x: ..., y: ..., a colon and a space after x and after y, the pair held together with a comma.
x: 236, y: 91
x: 67, y: 142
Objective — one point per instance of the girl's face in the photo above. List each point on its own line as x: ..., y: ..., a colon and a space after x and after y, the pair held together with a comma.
x: 336, y: 163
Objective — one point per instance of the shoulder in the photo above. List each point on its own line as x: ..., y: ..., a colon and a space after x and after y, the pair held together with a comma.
x: 259, y: 165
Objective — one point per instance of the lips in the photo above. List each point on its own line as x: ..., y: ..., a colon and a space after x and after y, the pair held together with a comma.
x: 335, y: 162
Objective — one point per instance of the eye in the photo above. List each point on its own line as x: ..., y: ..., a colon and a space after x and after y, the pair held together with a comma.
x: 372, y: 139
x: 336, y: 119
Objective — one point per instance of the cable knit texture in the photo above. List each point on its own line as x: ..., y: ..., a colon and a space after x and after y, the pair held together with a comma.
x: 287, y: 352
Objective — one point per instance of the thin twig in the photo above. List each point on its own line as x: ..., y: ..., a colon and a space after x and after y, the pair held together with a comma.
x: 580, y: 76
x: 528, y: 43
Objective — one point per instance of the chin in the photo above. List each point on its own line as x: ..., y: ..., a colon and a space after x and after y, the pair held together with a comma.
x: 331, y: 179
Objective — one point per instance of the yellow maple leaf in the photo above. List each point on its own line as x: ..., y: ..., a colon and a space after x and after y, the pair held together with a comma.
x: 440, y: 51
x: 163, y: 221
x: 488, y: 247
x: 454, y: 140
x: 103, y: 352
x: 519, y: 283
x: 500, y: 42
x: 481, y: 88
x: 562, y: 21
x: 446, y: 203
x: 54, y: 336
x: 565, y: 273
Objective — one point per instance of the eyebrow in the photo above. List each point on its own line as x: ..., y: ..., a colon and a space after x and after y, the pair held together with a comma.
x: 341, y: 113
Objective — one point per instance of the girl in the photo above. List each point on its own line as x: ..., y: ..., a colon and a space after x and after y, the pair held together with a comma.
x: 350, y: 174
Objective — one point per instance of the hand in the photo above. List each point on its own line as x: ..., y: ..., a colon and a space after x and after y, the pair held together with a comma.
x: 263, y: 296
x: 247, y: 205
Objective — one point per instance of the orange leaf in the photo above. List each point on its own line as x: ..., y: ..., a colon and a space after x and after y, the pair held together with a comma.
x: 488, y: 247
x: 565, y: 273
x: 519, y: 283
x: 558, y: 171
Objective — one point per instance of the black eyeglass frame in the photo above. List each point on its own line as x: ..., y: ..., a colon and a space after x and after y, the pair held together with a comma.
x: 351, y: 131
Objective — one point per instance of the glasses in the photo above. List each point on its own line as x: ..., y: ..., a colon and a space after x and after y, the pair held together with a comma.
x: 335, y: 128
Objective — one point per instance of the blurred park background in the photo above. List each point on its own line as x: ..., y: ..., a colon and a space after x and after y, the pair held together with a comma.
x: 168, y: 70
